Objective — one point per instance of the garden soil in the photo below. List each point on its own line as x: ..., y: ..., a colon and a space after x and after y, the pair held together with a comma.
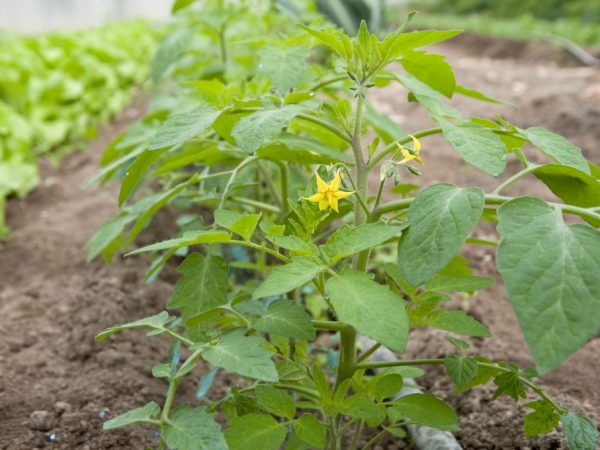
x: 57, y: 385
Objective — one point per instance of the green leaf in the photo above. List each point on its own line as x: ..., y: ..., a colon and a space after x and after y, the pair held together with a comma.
x: 551, y: 274
x: 371, y: 308
x: 242, y: 224
x: 179, y: 128
x: 143, y: 414
x: 193, y: 429
x: 282, y: 66
x: 387, y: 386
x: 157, y: 321
x: 483, y: 376
x: 447, y: 283
x: 301, y: 149
x: 426, y: 409
x: 275, y: 401
x: 543, y: 419
x: 461, y: 370
x: 294, y: 244
x: 408, y: 41
x: 431, y: 69
x: 286, y: 318
x: 349, y: 240
x: 571, y: 185
x: 188, y: 238
x: 285, y: 278
x: 310, y: 430
x: 255, y: 431
x: 202, y: 285
x: 478, y: 146
x: 458, y: 343
x: 557, y: 148
x: 510, y: 384
x: 457, y: 322
x: 107, y: 234
x: 335, y: 40
x: 441, y: 217
x: 429, y: 98
x: 158, y: 201
x: 255, y: 129
x: 468, y: 92
x: 581, y: 432
x: 136, y: 173
x: 169, y: 51
x: 241, y: 354
x: 181, y: 4
x: 363, y: 407
x: 385, y: 127
x: 395, y: 273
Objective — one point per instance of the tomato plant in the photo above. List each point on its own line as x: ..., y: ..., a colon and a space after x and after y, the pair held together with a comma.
x: 279, y: 166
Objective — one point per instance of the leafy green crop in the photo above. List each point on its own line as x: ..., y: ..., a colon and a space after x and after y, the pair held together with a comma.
x: 262, y: 140
x: 55, y: 89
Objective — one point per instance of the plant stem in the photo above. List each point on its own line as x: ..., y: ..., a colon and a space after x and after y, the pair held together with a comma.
x: 283, y: 173
x: 267, y: 177
x: 490, y: 199
x: 314, y: 395
x: 324, y: 83
x: 164, y: 416
x: 534, y: 387
x: 262, y: 248
x: 346, y: 427
x: 362, y: 177
x: 406, y: 362
x: 232, y: 177
x: 379, y: 193
x: 302, y: 116
x: 177, y: 336
x: 223, y: 45
x: 359, y: 159
x: 359, y: 197
x: 357, y: 433
x: 256, y: 204
x: 328, y: 325
x: 514, y: 178
x: 347, y: 356
x: 328, y: 126
x: 438, y: 361
x: 374, y: 439
x: 368, y: 353
x: 393, y: 146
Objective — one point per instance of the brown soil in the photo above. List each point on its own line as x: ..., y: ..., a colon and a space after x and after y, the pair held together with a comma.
x: 52, y: 303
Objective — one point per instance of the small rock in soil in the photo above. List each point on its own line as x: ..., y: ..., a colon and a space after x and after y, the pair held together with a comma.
x: 62, y: 407
x: 41, y: 420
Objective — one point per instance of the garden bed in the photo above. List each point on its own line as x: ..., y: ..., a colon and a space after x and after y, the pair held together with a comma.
x: 52, y: 303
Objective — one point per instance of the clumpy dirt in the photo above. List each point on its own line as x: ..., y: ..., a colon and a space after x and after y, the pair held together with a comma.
x: 57, y: 386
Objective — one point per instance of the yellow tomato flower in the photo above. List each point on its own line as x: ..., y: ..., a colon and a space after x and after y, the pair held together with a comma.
x: 328, y: 194
x: 408, y: 155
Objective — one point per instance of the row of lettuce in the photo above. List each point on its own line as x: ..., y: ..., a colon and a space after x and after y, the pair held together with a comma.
x: 56, y: 88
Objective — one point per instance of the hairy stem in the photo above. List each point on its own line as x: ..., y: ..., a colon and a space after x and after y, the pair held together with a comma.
x: 514, y: 178
x: 232, y: 177
x: 490, y: 199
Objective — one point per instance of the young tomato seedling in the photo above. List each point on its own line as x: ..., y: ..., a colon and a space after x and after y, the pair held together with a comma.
x: 300, y: 233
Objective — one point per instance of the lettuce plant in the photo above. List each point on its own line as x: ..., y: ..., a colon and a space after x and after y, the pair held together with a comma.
x: 301, y: 226
x: 56, y: 88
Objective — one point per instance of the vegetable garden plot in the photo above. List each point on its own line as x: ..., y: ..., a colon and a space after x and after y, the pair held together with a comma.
x: 56, y: 88
x: 222, y: 146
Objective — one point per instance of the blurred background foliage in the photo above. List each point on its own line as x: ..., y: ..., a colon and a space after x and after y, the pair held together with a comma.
x: 584, y: 10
